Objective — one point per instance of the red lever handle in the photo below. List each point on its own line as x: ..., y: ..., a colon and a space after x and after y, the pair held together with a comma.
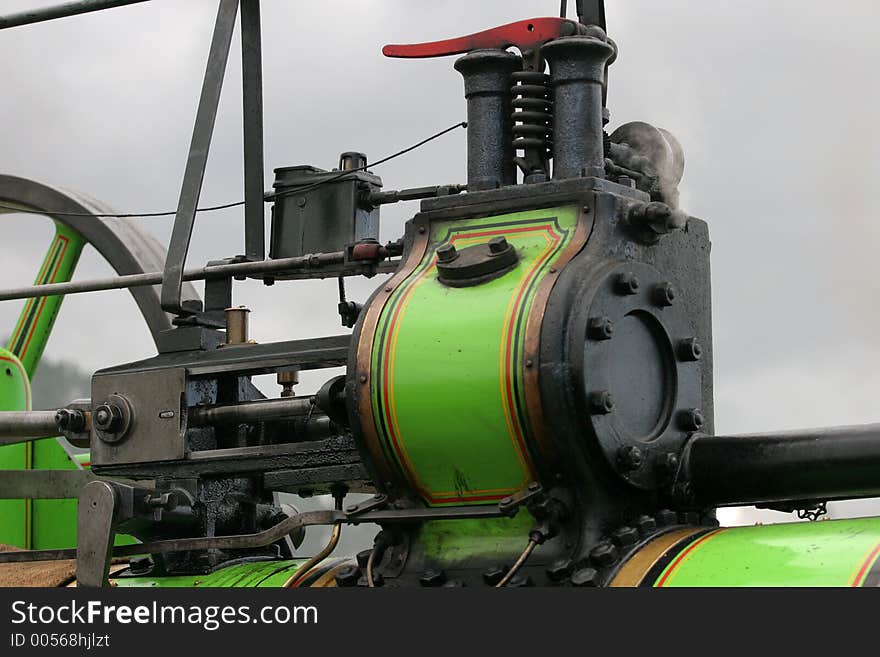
x: 525, y: 35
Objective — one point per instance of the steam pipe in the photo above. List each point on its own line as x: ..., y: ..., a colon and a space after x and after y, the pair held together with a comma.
x: 489, y: 133
x: 30, y: 16
x: 577, y: 71
x: 812, y: 464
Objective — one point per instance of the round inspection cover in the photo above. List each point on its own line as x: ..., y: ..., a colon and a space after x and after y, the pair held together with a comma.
x: 640, y: 383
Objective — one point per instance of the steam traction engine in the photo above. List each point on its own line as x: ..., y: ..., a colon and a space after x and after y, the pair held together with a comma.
x: 528, y: 398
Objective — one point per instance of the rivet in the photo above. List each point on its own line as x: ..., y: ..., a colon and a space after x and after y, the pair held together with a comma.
x: 363, y: 378
x: 422, y: 229
x: 388, y: 288
x: 552, y: 270
x: 530, y: 363
x: 630, y: 458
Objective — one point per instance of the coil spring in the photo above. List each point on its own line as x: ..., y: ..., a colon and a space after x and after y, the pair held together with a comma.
x: 532, y: 113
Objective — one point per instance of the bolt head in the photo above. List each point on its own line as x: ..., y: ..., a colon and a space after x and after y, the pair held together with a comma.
x: 690, y: 350
x: 646, y: 525
x: 627, y: 284
x: 604, y: 555
x: 585, y: 577
x: 630, y: 458
x: 666, y: 517
x: 601, y: 328
x: 559, y: 570
x: 669, y: 463
x: 447, y: 253
x: 601, y: 403
x: 495, y: 574
x: 433, y: 578
x: 665, y: 295
x: 692, y: 419
x: 625, y: 537
x: 348, y: 576
x: 108, y: 417
x: 498, y: 245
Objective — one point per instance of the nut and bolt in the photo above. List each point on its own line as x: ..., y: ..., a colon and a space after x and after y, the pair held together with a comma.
x: 433, y: 578
x: 348, y: 576
x: 68, y: 420
x: 692, y: 419
x: 601, y: 403
x: 447, y: 253
x: 498, y: 245
x: 689, y: 350
x: 664, y: 295
x: 666, y: 517
x: 604, y: 555
x: 669, y: 463
x: 646, y: 525
x: 494, y: 575
x: 627, y: 284
x: 601, y: 328
x: 630, y: 458
x: 625, y: 537
x: 108, y: 417
x: 559, y: 570
x: 585, y: 577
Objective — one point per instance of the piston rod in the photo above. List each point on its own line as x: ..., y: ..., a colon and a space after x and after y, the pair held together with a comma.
x: 21, y: 426
x: 812, y: 464
x: 306, y: 263
x: 31, y: 16
x: 264, y: 410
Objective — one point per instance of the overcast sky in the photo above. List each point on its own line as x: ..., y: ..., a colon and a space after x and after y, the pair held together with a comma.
x: 775, y: 103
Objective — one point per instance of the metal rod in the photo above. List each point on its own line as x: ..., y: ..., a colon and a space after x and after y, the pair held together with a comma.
x: 252, y: 99
x: 21, y: 425
x: 315, y: 261
x: 813, y: 464
x: 30, y: 16
x: 197, y: 160
x: 269, y: 536
x: 263, y: 410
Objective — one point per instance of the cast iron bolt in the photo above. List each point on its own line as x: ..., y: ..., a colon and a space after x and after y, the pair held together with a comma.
x: 690, y: 350
x: 669, y: 463
x: 534, y: 486
x: 447, y: 253
x: 664, y: 295
x: 348, y: 576
x: 520, y: 581
x: 604, y: 555
x: 433, y: 578
x: 68, y: 420
x: 140, y: 565
x: 108, y: 417
x: 627, y: 283
x: 559, y: 570
x: 630, y: 458
x: 646, y: 525
x: 602, y: 403
x: 601, y: 328
x: 625, y: 537
x: 497, y: 245
x: 692, y: 420
x: 494, y: 575
x: 689, y: 518
x: 665, y: 517
x: 585, y: 577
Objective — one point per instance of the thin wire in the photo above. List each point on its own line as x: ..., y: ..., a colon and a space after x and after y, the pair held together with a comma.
x: 297, y: 578
x: 226, y: 206
x: 519, y: 562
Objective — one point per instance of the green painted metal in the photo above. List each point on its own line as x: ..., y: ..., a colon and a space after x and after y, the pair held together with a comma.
x: 447, y: 364
x: 262, y: 574
x: 830, y: 553
x: 40, y: 524
x: 451, y: 543
x: 15, y: 395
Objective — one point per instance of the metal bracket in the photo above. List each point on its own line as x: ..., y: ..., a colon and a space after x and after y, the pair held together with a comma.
x: 252, y: 93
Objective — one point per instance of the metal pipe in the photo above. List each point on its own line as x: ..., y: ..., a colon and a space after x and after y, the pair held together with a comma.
x: 30, y: 16
x: 577, y: 69
x: 237, y: 325
x: 812, y: 464
x: 19, y: 426
x: 264, y: 410
x: 314, y: 261
x: 489, y: 127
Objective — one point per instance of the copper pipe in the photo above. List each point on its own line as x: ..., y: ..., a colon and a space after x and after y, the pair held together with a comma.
x: 297, y: 578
